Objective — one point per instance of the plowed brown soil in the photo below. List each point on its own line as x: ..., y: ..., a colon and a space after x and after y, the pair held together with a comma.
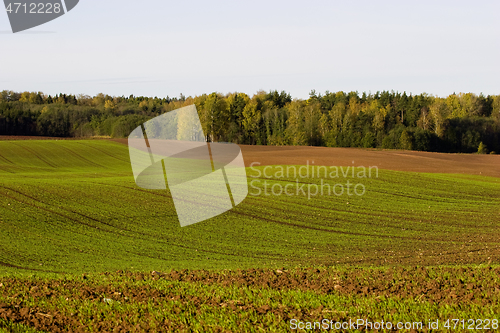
x: 397, y: 160
x: 443, y: 286
x: 474, y: 164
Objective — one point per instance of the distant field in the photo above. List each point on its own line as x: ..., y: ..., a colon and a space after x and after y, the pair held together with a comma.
x: 396, y: 160
x: 72, y: 207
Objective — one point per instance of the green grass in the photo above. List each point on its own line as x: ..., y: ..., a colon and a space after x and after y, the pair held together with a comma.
x: 9, y: 327
x: 73, y: 207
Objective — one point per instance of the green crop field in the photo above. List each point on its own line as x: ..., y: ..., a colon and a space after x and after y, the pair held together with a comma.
x: 71, y: 207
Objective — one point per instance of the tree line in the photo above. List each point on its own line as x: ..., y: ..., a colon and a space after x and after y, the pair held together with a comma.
x: 462, y: 122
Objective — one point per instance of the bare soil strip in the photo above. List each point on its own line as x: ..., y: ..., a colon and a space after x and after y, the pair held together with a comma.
x: 397, y: 160
x: 443, y: 286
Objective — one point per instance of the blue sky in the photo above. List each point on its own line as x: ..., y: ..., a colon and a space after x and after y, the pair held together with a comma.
x: 160, y: 48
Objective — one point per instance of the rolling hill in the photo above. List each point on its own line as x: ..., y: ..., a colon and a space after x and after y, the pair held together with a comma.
x: 71, y: 206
